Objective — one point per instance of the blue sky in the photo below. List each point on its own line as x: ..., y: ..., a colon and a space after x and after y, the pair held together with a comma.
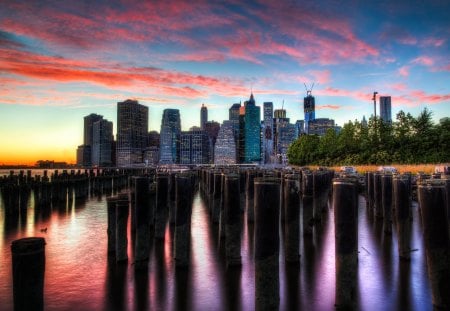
x: 60, y: 61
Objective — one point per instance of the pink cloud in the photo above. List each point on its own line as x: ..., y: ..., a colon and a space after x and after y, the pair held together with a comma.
x: 332, y: 107
x: 403, y: 71
x: 423, y: 60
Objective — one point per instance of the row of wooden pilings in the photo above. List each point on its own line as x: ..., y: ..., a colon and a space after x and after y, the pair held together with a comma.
x: 273, y: 198
x: 389, y: 198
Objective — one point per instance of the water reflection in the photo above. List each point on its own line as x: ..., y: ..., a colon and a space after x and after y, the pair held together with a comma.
x: 79, y: 275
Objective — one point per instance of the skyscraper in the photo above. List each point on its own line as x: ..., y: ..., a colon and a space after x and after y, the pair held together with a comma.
x: 268, y: 131
x: 132, y: 132
x: 233, y: 116
x: 385, y: 108
x: 170, y: 137
x: 88, y: 137
x: 225, y: 149
x: 309, y: 108
x: 212, y: 129
x: 203, y: 116
x: 252, y: 127
x: 102, y: 133
x: 194, y: 147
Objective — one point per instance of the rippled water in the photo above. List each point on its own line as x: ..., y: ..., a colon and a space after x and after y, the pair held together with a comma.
x: 79, y: 277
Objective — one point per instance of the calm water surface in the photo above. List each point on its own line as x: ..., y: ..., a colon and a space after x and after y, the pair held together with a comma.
x: 79, y: 277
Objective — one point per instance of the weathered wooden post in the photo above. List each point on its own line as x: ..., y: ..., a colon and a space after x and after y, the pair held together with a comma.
x: 171, y: 198
x: 320, y: 193
x: 162, y: 182
x: 307, y: 203
x: 111, y: 230
x: 28, y: 264
x: 346, y: 242
x: 377, y: 195
x: 386, y: 202
x: 432, y: 199
x: 267, y: 243
x: 232, y: 217
x: 217, y: 192
x: 250, y: 195
x: 122, y: 211
x: 292, y: 219
x: 143, y: 213
x: 402, y: 203
x: 183, y: 219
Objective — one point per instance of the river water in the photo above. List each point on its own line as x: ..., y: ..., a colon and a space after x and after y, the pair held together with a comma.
x: 79, y: 277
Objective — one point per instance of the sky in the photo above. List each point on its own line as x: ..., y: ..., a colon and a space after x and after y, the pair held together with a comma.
x: 62, y: 60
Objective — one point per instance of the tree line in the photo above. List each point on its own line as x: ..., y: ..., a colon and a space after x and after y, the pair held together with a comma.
x: 408, y: 140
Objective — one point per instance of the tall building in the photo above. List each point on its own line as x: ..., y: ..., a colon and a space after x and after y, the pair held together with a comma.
x: 170, y: 137
x: 385, y: 109
x: 88, y: 137
x: 268, y: 132
x: 203, y: 116
x: 132, y: 132
x: 194, y: 147
x: 102, y: 143
x: 321, y: 125
x: 84, y: 156
x: 252, y: 128
x: 279, y: 122
x: 300, y: 127
x: 212, y: 129
x: 309, y: 108
x: 233, y: 116
x: 286, y: 136
x: 225, y: 149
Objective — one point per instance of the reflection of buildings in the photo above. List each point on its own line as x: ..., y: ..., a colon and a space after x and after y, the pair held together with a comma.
x: 320, y: 126
x: 132, y: 130
x: 225, y: 149
x: 170, y: 137
x: 194, y: 147
x: 385, y: 109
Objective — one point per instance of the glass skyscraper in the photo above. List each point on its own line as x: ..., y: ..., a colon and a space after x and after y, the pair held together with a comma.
x: 170, y: 137
x: 203, y: 116
x: 385, y: 108
x: 194, y: 147
x: 252, y: 128
x: 309, y: 108
x: 132, y: 132
x: 102, y: 143
x: 225, y: 149
x: 268, y: 131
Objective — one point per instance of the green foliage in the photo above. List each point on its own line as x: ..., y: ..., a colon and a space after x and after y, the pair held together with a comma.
x: 408, y: 140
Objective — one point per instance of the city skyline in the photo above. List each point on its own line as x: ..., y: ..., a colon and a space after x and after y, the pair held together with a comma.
x: 60, y: 62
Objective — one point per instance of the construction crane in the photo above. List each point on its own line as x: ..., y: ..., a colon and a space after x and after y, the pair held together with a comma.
x: 308, y: 91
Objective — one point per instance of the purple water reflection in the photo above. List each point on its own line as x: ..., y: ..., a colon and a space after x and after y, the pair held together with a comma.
x: 79, y: 277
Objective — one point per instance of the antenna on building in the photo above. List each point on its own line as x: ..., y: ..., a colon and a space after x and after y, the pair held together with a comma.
x: 308, y: 91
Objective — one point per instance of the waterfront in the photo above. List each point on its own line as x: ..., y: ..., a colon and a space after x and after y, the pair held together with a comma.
x: 79, y: 277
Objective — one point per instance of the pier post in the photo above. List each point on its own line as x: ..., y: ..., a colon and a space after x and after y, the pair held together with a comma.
x: 346, y: 242
x: 122, y: 211
x: 143, y: 213
x: 162, y: 183
x: 182, y: 235
x: 111, y: 230
x: 267, y: 243
x: 292, y: 219
x: 28, y: 261
x: 232, y: 217
x: 432, y: 200
x: 217, y: 192
x: 386, y: 202
x: 402, y: 203
x: 377, y: 195
x: 307, y: 203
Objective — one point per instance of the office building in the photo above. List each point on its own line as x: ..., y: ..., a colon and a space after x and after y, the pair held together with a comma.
x: 170, y: 137
x: 102, y: 143
x: 225, y: 149
x: 203, y: 117
x: 233, y: 116
x: 252, y: 134
x: 194, y: 147
x: 84, y: 156
x: 309, y: 108
x: 385, y: 109
x: 212, y: 129
x: 299, y: 127
x: 267, y: 130
x: 132, y: 132
x: 320, y: 126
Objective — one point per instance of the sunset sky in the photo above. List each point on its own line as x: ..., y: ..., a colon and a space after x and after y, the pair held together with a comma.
x: 62, y: 60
